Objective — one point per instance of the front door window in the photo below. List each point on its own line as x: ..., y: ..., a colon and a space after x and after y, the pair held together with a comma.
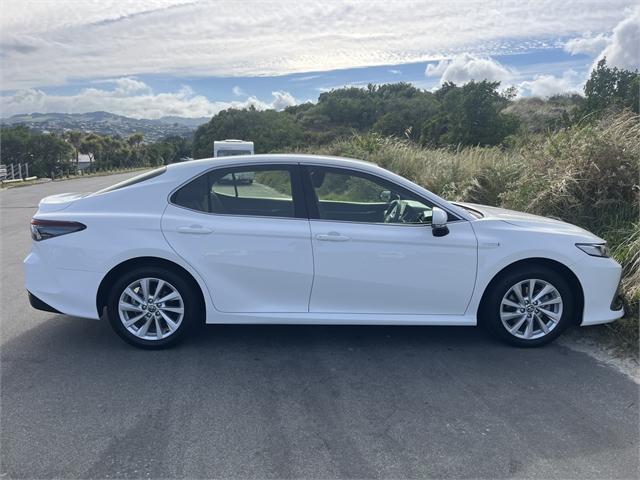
x: 347, y: 195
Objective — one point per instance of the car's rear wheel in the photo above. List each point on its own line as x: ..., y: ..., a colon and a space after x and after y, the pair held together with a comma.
x: 151, y: 307
x: 529, y: 307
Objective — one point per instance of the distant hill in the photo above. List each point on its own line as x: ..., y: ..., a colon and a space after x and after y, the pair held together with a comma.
x: 187, y: 122
x: 106, y: 123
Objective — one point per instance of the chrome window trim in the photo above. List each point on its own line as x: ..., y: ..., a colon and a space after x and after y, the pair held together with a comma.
x: 299, y: 163
x: 234, y: 214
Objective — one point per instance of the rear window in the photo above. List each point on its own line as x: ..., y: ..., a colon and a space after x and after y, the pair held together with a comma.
x: 132, y: 181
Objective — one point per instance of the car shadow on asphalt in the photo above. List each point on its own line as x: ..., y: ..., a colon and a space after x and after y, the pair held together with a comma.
x: 349, y: 396
x: 70, y: 334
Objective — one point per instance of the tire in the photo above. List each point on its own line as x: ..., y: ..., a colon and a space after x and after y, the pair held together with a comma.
x: 503, y: 310
x: 174, y: 317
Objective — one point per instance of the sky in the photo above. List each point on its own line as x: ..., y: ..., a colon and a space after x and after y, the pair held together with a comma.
x: 194, y: 58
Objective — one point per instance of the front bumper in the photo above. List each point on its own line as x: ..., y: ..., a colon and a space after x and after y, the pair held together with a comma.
x: 600, y: 279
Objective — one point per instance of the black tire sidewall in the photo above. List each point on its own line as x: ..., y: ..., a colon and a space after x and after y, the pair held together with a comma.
x: 491, y: 307
x: 191, y: 312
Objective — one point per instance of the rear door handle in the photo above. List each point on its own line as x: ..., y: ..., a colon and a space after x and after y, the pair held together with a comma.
x: 195, y: 230
x: 332, y: 237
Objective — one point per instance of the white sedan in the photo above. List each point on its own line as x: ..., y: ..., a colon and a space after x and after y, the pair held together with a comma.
x: 312, y: 240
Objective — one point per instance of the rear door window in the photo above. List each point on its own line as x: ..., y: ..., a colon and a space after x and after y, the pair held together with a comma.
x: 268, y: 191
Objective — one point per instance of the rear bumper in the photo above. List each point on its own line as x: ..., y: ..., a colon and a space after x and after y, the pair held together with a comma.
x: 39, y: 304
x: 72, y: 292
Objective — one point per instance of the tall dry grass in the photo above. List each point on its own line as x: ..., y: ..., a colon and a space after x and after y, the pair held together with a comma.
x: 587, y: 175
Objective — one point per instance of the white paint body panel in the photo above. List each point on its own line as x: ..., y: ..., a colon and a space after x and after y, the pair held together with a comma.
x: 264, y: 270
x: 251, y: 264
x: 387, y: 268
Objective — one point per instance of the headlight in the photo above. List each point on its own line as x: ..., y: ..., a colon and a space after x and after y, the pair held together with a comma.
x: 594, y: 249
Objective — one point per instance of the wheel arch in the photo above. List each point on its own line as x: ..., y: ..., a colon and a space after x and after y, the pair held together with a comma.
x: 103, y: 290
x: 565, y: 271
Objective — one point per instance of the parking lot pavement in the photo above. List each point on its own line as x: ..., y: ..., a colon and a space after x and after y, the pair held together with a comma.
x: 294, y: 401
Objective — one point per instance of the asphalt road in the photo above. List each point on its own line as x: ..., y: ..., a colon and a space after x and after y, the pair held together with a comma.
x: 294, y: 401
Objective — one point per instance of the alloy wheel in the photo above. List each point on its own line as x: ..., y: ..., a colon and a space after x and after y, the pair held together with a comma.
x: 151, y: 308
x: 531, y: 309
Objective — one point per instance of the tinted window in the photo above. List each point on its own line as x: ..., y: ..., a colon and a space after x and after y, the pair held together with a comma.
x: 134, y: 180
x: 256, y: 191
x: 347, y: 195
x: 194, y: 195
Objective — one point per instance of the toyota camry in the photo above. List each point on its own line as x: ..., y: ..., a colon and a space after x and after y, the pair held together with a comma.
x: 310, y: 240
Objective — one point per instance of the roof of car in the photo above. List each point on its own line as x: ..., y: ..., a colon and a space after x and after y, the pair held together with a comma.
x: 273, y: 158
x: 193, y: 167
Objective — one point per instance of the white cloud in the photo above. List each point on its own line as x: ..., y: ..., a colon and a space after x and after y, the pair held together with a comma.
x: 238, y: 92
x: 624, y: 49
x: 548, y: 85
x: 50, y: 43
x: 437, y: 69
x: 304, y: 78
x: 128, y: 86
x: 587, y: 45
x: 466, y: 67
x: 621, y: 48
x: 282, y: 100
x: 131, y: 98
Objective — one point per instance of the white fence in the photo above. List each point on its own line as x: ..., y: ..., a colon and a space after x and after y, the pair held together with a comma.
x: 14, y: 172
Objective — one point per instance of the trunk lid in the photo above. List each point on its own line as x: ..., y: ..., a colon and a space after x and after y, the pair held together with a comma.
x: 55, y: 203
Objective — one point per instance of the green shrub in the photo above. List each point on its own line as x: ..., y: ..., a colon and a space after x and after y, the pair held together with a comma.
x: 586, y: 175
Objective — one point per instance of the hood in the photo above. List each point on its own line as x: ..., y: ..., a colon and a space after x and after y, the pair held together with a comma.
x: 529, y: 221
x: 55, y: 203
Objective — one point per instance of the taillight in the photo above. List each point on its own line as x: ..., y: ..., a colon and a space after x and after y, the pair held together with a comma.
x: 43, y: 229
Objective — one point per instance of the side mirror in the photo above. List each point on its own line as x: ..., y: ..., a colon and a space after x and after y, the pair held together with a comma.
x: 439, y: 222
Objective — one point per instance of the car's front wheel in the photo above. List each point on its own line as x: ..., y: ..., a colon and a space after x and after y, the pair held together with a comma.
x: 529, y: 307
x: 151, y: 307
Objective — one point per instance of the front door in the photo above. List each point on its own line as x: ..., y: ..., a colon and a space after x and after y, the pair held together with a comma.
x: 245, y: 230
x: 375, y: 252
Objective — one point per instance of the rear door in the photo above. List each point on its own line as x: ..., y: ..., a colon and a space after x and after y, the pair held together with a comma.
x: 246, y: 231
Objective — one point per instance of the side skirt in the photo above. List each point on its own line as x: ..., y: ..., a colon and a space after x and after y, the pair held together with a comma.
x: 340, y: 319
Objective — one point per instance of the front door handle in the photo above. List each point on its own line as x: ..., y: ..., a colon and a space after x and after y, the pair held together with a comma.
x: 332, y: 237
x: 195, y: 230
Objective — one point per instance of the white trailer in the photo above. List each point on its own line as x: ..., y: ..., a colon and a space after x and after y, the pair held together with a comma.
x: 232, y: 147
x: 227, y: 148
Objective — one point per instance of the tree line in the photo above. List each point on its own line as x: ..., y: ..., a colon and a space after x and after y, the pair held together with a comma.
x: 476, y: 113
x: 52, y: 155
